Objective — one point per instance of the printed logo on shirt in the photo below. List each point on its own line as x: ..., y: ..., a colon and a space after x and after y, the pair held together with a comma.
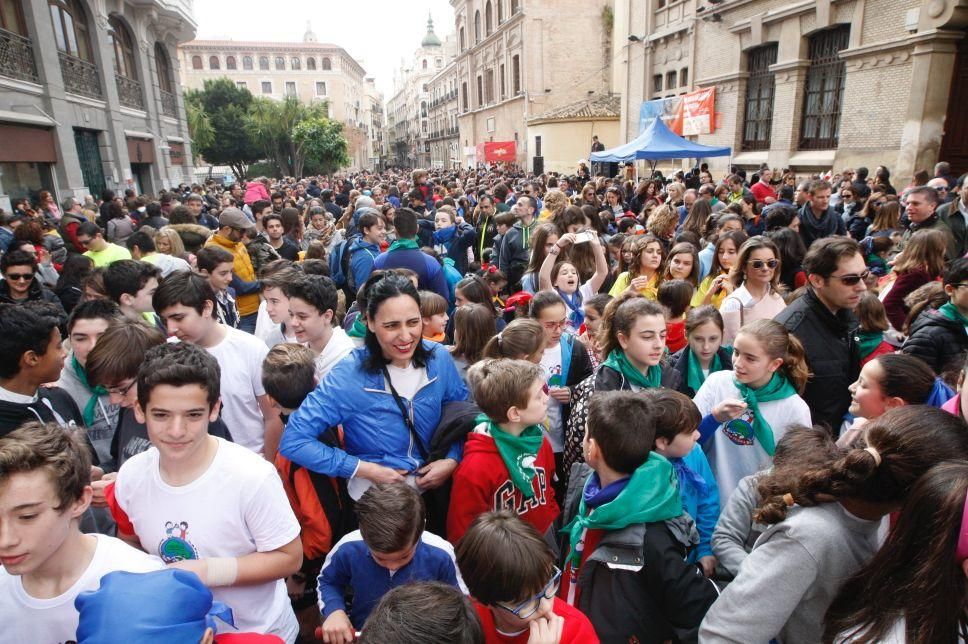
x: 176, y: 546
x: 740, y: 430
x: 554, y: 377
x: 508, y: 497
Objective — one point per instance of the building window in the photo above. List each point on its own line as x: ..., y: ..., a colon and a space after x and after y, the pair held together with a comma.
x: 12, y: 17
x: 280, y: 62
x: 504, y: 93
x: 327, y: 65
x: 213, y: 62
x: 241, y: 84
x: 438, y: 62
x: 266, y: 87
x: 196, y: 62
x: 311, y: 63
x: 163, y: 68
x: 264, y: 63
x: 290, y: 88
x: 671, y: 80
x: 480, y: 91
x: 488, y: 18
x: 824, y: 90
x: 247, y: 63
x: 122, y: 48
x: 425, y: 87
x: 462, y: 47
x: 500, y: 11
x: 320, y: 88
x: 70, y: 28
x: 423, y: 109
x: 516, y: 74
x: 477, y: 27
x: 684, y: 77
x: 489, y: 85
x: 515, y: 6
x: 463, y: 96
x: 295, y: 63
x: 230, y: 62
x: 758, y: 115
x: 657, y: 83
x: 424, y: 63
x: 660, y: 4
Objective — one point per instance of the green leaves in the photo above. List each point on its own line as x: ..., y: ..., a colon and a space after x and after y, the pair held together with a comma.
x: 322, y: 144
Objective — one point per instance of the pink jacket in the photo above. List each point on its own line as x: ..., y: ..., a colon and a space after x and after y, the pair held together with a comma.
x: 254, y: 190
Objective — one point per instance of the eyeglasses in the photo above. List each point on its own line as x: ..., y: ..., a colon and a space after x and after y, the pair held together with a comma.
x: 529, y: 607
x: 551, y: 326
x: 19, y: 277
x: 122, y: 390
x: 760, y: 263
x: 852, y: 279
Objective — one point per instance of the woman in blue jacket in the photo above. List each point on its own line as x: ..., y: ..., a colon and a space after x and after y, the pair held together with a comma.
x: 387, y: 395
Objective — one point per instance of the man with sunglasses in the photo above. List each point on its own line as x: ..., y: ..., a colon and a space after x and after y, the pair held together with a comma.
x: 823, y: 320
x: 19, y: 284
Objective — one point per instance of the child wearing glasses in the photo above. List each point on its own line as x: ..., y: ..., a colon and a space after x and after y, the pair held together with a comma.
x: 755, y: 277
x: 508, y: 463
x: 390, y: 549
x: 514, y: 588
x: 625, y: 534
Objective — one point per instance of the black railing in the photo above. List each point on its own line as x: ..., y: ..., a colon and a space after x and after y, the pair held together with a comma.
x: 80, y: 76
x: 17, y: 57
x: 169, y: 104
x: 129, y: 92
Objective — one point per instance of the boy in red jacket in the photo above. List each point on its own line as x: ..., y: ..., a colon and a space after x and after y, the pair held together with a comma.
x: 508, y: 463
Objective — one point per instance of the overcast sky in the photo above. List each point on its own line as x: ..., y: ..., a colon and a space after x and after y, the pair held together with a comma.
x: 377, y: 33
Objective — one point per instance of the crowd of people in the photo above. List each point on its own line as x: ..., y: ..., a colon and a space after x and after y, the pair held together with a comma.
x: 487, y: 406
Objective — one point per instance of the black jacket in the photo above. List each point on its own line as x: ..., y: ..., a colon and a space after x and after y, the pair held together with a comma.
x: 950, y: 214
x: 937, y: 340
x: 36, y: 293
x: 812, y: 229
x: 832, y: 355
x: 680, y: 363
x: 636, y: 585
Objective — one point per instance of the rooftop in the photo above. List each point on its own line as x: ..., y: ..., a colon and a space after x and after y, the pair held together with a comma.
x: 597, y: 106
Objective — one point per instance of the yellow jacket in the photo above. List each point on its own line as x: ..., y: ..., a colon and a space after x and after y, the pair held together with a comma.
x: 242, y: 267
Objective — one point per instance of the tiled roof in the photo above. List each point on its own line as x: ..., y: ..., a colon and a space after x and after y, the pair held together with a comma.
x: 598, y: 106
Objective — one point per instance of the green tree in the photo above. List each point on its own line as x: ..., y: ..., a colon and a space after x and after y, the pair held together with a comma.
x: 273, y: 124
x: 322, y: 144
x: 222, y: 110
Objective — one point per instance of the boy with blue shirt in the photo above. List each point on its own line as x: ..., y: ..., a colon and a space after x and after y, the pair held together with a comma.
x: 390, y: 549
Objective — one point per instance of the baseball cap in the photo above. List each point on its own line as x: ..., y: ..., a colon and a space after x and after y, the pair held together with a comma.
x: 235, y: 218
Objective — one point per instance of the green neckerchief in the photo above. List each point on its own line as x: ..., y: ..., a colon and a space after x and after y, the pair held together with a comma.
x: 652, y: 494
x: 96, y: 392
x: 952, y: 312
x: 868, y: 341
x: 526, y: 233
x: 777, y: 388
x: 518, y: 452
x: 694, y: 375
x: 619, y: 361
x: 402, y: 244
x: 358, y: 330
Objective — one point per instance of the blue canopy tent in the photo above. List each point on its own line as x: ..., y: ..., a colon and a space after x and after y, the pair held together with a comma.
x: 656, y: 143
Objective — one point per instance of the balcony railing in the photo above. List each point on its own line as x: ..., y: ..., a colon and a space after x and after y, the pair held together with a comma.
x: 129, y: 92
x: 80, y: 76
x: 17, y: 57
x: 169, y: 104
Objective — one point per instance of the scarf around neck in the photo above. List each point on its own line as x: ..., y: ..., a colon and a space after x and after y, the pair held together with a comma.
x: 953, y: 313
x: 96, y: 392
x: 575, y: 313
x: 618, y: 361
x: 694, y: 374
x: 777, y: 388
x: 445, y: 235
x: 651, y: 494
x: 358, y: 330
x: 518, y: 453
x: 867, y: 341
x: 403, y: 244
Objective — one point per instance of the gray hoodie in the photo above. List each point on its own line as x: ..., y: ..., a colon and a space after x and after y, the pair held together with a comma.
x: 786, y: 584
x: 101, y: 431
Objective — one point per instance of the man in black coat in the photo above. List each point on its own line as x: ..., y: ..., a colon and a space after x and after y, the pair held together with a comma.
x: 818, y: 219
x: 823, y: 320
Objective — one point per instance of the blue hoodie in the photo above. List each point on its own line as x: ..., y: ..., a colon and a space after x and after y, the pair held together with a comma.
x: 703, y: 508
x: 362, y: 254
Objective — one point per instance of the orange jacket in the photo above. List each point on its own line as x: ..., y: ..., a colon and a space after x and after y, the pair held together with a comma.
x: 242, y: 267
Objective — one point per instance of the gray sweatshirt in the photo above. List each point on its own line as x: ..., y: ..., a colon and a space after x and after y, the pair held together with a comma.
x: 735, y: 531
x: 101, y: 431
x: 789, y: 579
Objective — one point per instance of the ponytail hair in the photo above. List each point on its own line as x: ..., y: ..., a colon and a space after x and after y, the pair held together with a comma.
x: 780, y: 343
x: 902, y: 444
x: 523, y: 337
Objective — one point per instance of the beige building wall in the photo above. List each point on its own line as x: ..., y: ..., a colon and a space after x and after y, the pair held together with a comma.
x: 563, y: 143
x: 541, y: 55
x: 444, y: 132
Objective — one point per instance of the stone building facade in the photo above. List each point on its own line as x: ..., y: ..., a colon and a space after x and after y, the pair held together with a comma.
x: 443, y: 110
x: 309, y: 70
x: 90, y: 98
x: 517, y: 59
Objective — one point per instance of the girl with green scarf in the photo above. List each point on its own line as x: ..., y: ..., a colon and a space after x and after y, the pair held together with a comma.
x: 704, y: 354
x: 746, y: 410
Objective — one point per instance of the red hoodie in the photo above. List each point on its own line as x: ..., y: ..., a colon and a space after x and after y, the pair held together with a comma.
x: 482, y: 484
x: 577, y: 628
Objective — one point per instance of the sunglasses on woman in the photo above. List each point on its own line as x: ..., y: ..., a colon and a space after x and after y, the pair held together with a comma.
x: 760, y: 263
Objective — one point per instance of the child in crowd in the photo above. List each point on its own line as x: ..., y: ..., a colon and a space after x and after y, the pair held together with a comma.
x: 563, y: 276
x: 45, y: 487
x: 473, y: 329
x: 131, y: 285
x: 433, y: 310
x: 514, y: 587
x: 746, y: 410
x: 203, y: 504
x: 716, y: 285
x: 594, y: 309
x: 312, y: 306
x: 390, y: 549
x: 508, y: 463
x: 704, y: 353
x: 626, y: 535
x: 496, y: 281
x: 273, y: 324
x: 523, y: 339
x: 675, y: 296
x: 502, y: 223
x: 940, y: 336
x: 215, y: 264
x: 186, y: 302
x: 800, y: 449
x: 427, y: 611
x: 873, y: 323
x: 676, y: 437
x: 877, y: 252
x: 645, y: 271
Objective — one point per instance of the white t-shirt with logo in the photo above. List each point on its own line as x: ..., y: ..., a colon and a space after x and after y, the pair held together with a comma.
x: 54, y: 621
x: 733, y: 452
x: 551, y: 363
x: 237, y: 507
x: 240, y: 357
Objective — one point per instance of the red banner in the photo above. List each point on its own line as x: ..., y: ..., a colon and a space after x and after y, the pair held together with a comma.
x: 497, y: 151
